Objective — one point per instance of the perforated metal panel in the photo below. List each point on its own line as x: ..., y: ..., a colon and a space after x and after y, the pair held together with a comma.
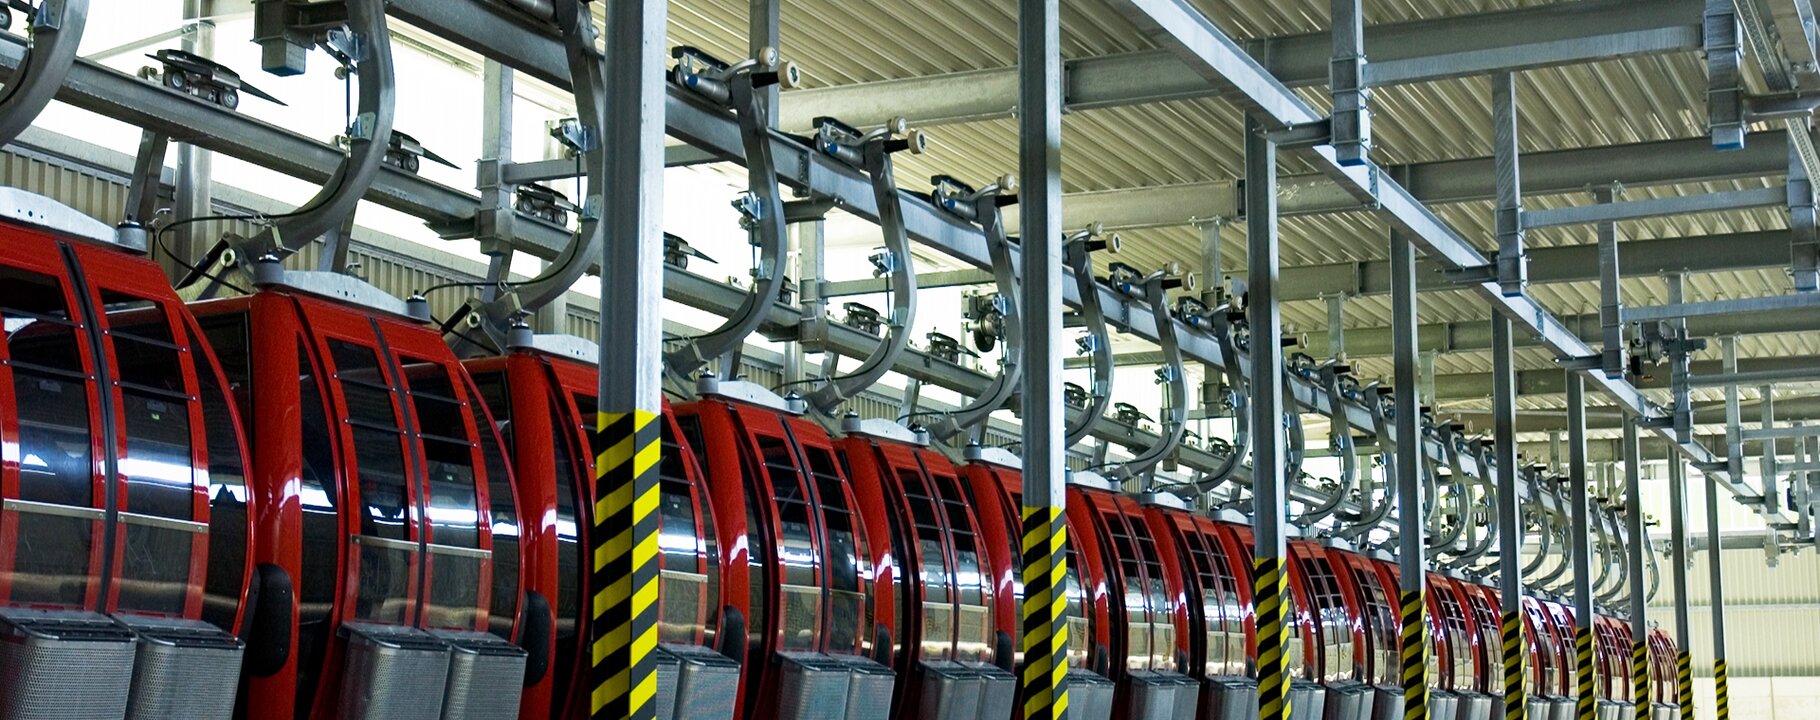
x: 1387, y: 703
x: 1348, y: 700
x: 1563, y: 708
x: 1475, y: 706
x: 949, y: 690
x: 1154, y: 695
x: 811, y: 686
x: 486, y: 677
x: 998, y: 691
x: 1609, y: 710
x: 184, y: 669
x: 63, y: 666
x: 870, y: 690
x: 1090, y: 696
x: 393, y: 673
x: 1540, y: 708
x: 1443, y: 705
x: 695, y: 683
x: 1308, y: 701
x: 1663, y: 711
x: 1232, y: 697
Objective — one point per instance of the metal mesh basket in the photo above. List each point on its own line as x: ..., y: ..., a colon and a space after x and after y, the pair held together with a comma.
x: 1474, y: 705
x: 1232, y: 696
x: 1443, y: 705
x: 811, y: 686
x: 1387, y: 703
x: 1609, y: 710
x: 1090, y: 696
x: 695, y: 683
x: 58, y: 665
x: 184, y: 668
x: 1665, y: 711
x: 486, y: 676
x: 950, y: 690
x: 1348, y: 700
x: 1308, y: 700
x: 393, y: 673
x: 1562, y: 708
x: 870, y: 690
x: 998, y: 691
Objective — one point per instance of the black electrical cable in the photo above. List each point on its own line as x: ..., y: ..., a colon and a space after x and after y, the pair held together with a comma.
x: 166, y: 248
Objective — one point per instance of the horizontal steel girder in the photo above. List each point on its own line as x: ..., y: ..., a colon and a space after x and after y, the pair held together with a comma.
x: 1400, y: 53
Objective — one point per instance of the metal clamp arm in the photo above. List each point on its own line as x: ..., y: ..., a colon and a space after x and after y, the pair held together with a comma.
x: 874, y: 151
x: 762, y: 207
x: 1444, y: 541
x: 985, y: 207
x: 369, y: 139
x: 56, y: 31
x: 1076, y: 255
x: 1176, y: 421
x: 1376, y: 401
x: 1340, y: 430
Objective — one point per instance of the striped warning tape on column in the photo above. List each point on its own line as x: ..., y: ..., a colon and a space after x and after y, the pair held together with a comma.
x: 1721, y: 692
x: 624, y: 676
x: 1639, y: 679
x: 1273, y: 639
x: 1684, y: 683
x: 1045, y: 614
x: 1415, y: 658
x: 1586, y: 706
x: 1513, y: 666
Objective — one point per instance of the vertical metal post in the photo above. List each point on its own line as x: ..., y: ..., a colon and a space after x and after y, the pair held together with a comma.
x: 1677, y: 531
x: 1336, y: 325
x: 809, y: 236
x: 1724, y: 43
x: 1269, y: 491
x: 1513, y: 264
x: 1714, y: 551
x: 195, y: 166
x: 1411, y: 545
x: 627, y: 440
x: 1427, y: 380
x: 1346, y: 81
x: 1510, y: 523
x: 765, y: 26
x: 1637, y: 545
x: 1213, y: 271
x: 1681, y: 367
x: 1554, y: 451
x: 496, y: 219
x: 1580, y: 547
x: 1734, y: 411
x: 1611, y: 301
x: 1045, y: 641
x: 1772, y: 486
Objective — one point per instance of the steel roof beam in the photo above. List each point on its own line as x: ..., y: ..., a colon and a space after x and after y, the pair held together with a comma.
x: 1177, y: 24
x: 1550, y: 172
x: 1408, y: 52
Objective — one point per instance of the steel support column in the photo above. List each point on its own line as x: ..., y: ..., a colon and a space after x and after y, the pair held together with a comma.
x: 1268, y: 480
x: 195, y: 166
x: 1638, y: 545
x: 1351, y: 123
x: 1510, y: 521
x: 1612, y: 352
x: 1580, y: 548
x: 1766, y: 409
x: 1716, y: 589
x: 765, y: 28
x: 1045, y: 637
x: 1407, y: 467
x: 1677, y: 532
x: 627, y: 442
x: 1513, y: 263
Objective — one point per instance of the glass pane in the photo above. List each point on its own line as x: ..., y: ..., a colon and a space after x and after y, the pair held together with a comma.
x: 385, y: 576
x: 383, y: 489
x: 849, y: 626
x: 141, y: 334
x: 52, y: 557
x: 319, y: 490
x: 502, y: 501
x: 227, y: 540
x: 454, y: 600
x: 155, y: 572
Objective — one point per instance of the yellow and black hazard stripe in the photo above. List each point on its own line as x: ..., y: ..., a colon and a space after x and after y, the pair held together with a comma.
x: 626, y: 448
x: 1273, y: 638
x: 1639, y: 678
x: 1721, y: 693
x: 1513, y: 666
x: 1415, y: 657
x: 1684, y: 683
x: 1045, y: 614
x: 1586, y: 707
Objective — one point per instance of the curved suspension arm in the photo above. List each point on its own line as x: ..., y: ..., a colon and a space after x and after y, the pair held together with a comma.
x: 762, y: 208
x: 875, y: 153
x: 368, y: 141
x: 1295, y: 441
x: 1176, y: 422
x: 1546, y: 536
x: 1100, y: 395
x: 1561, y: 579
x: 1655, y: 574
x: 55, y: 33
x: 1602, y: 583
x: 1621, y: 584
x: 1241, y: 417
x: 986, y: 208
x: 1479, y: 544
x: 1341, y: 433
x: 1443, y: 541
x: 1380, y: 425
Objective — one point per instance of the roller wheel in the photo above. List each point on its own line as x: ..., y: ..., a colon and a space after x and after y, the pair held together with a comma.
x: 176, y: 80
x: 230, y: 99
